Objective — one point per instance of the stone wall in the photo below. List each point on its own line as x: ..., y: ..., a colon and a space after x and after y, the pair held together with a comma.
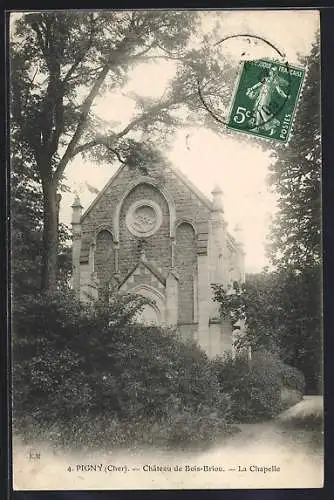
x: 185, y: 249
x: 186, y: 267
x: 188, y: 204
x: 157, y: 247
x: 104, y: 261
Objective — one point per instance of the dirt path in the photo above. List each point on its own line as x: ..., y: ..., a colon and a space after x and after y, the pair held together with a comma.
x: 309, y: 405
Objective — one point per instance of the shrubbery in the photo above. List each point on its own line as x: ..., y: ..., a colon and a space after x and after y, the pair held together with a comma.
x: 292, y: 378
x: 88, y: 375
x: 255, y: 387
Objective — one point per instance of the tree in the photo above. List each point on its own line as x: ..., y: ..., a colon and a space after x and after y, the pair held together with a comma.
x: 297, y: 301
x: 295, y: 248
x: 282, y: 315
x: 283, y: 307
x: 27, y: 229
x: 58, y: 57
x: 253, y: 302
x: 283, y: 311
x: 296, y: 177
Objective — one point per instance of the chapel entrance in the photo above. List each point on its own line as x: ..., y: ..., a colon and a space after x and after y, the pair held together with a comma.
x: 148, y: 316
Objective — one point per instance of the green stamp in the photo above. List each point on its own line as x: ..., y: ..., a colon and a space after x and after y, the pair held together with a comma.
x: 265, y: 99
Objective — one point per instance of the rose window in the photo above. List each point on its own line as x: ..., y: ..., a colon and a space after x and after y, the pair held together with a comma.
x: 144, y: 218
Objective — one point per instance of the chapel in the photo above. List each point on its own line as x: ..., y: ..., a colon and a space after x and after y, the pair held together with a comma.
x: 157, y: 235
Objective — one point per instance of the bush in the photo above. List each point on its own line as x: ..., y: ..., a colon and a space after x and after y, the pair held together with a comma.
x: 88, y: 373
x: 254, y: 387
x: 292, y: 378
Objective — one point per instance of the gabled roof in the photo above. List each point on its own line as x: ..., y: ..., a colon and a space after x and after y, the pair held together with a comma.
x: 192, y: 187
x: 101, y: 193
x: 174, y: 170
x: 152, y: 269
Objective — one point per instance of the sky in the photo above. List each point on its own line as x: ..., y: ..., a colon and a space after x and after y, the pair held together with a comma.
x: 239, y: 168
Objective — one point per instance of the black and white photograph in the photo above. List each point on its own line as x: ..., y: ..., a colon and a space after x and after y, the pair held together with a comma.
x: 165, y: 248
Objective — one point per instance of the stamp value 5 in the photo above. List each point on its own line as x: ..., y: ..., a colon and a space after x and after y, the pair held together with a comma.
x: 265, y: 99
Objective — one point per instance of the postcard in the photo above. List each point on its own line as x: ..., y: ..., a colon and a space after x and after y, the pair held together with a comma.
x: 166, y: 249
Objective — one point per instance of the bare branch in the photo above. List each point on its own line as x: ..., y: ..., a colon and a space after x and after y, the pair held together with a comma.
x: 116, y: 153
x: 168, y: 52
x: 31, y: 80
x: 82, y: 122
x: 87, y: 72
x: 139, y: 54
x: 106, y: 140
x: 76, y: 63
x: 143, y: 116
x: 121, y: 49
x: 167, y: 58
x: 88, y: 145
x: 101, y: 141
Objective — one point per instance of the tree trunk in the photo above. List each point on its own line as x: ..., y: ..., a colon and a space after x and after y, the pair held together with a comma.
x: 50, y: 237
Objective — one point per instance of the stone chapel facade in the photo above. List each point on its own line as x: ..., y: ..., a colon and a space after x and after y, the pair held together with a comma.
x: 162, y: 238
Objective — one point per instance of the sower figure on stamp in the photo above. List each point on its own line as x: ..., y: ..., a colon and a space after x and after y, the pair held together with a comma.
x: 264, y: 93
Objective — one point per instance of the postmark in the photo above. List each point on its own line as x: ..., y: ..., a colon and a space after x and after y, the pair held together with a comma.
x: 265, y: 99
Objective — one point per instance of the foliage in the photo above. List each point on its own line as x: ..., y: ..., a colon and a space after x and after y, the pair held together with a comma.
x: 231, y: 303
x: 295, y: 247
x: 296, y: 178
x: 251, y: 301
x: 254, y: 391
x: 26, y: 209
x: 26, y: 241
x: 292, y: 378
x: 283, y: 315
x: 62, y: 62
x: 75, y: 364
x: 254, y: 386
x: 283, y: 307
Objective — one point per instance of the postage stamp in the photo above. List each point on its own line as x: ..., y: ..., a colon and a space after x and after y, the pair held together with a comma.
x: 265, y: 99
